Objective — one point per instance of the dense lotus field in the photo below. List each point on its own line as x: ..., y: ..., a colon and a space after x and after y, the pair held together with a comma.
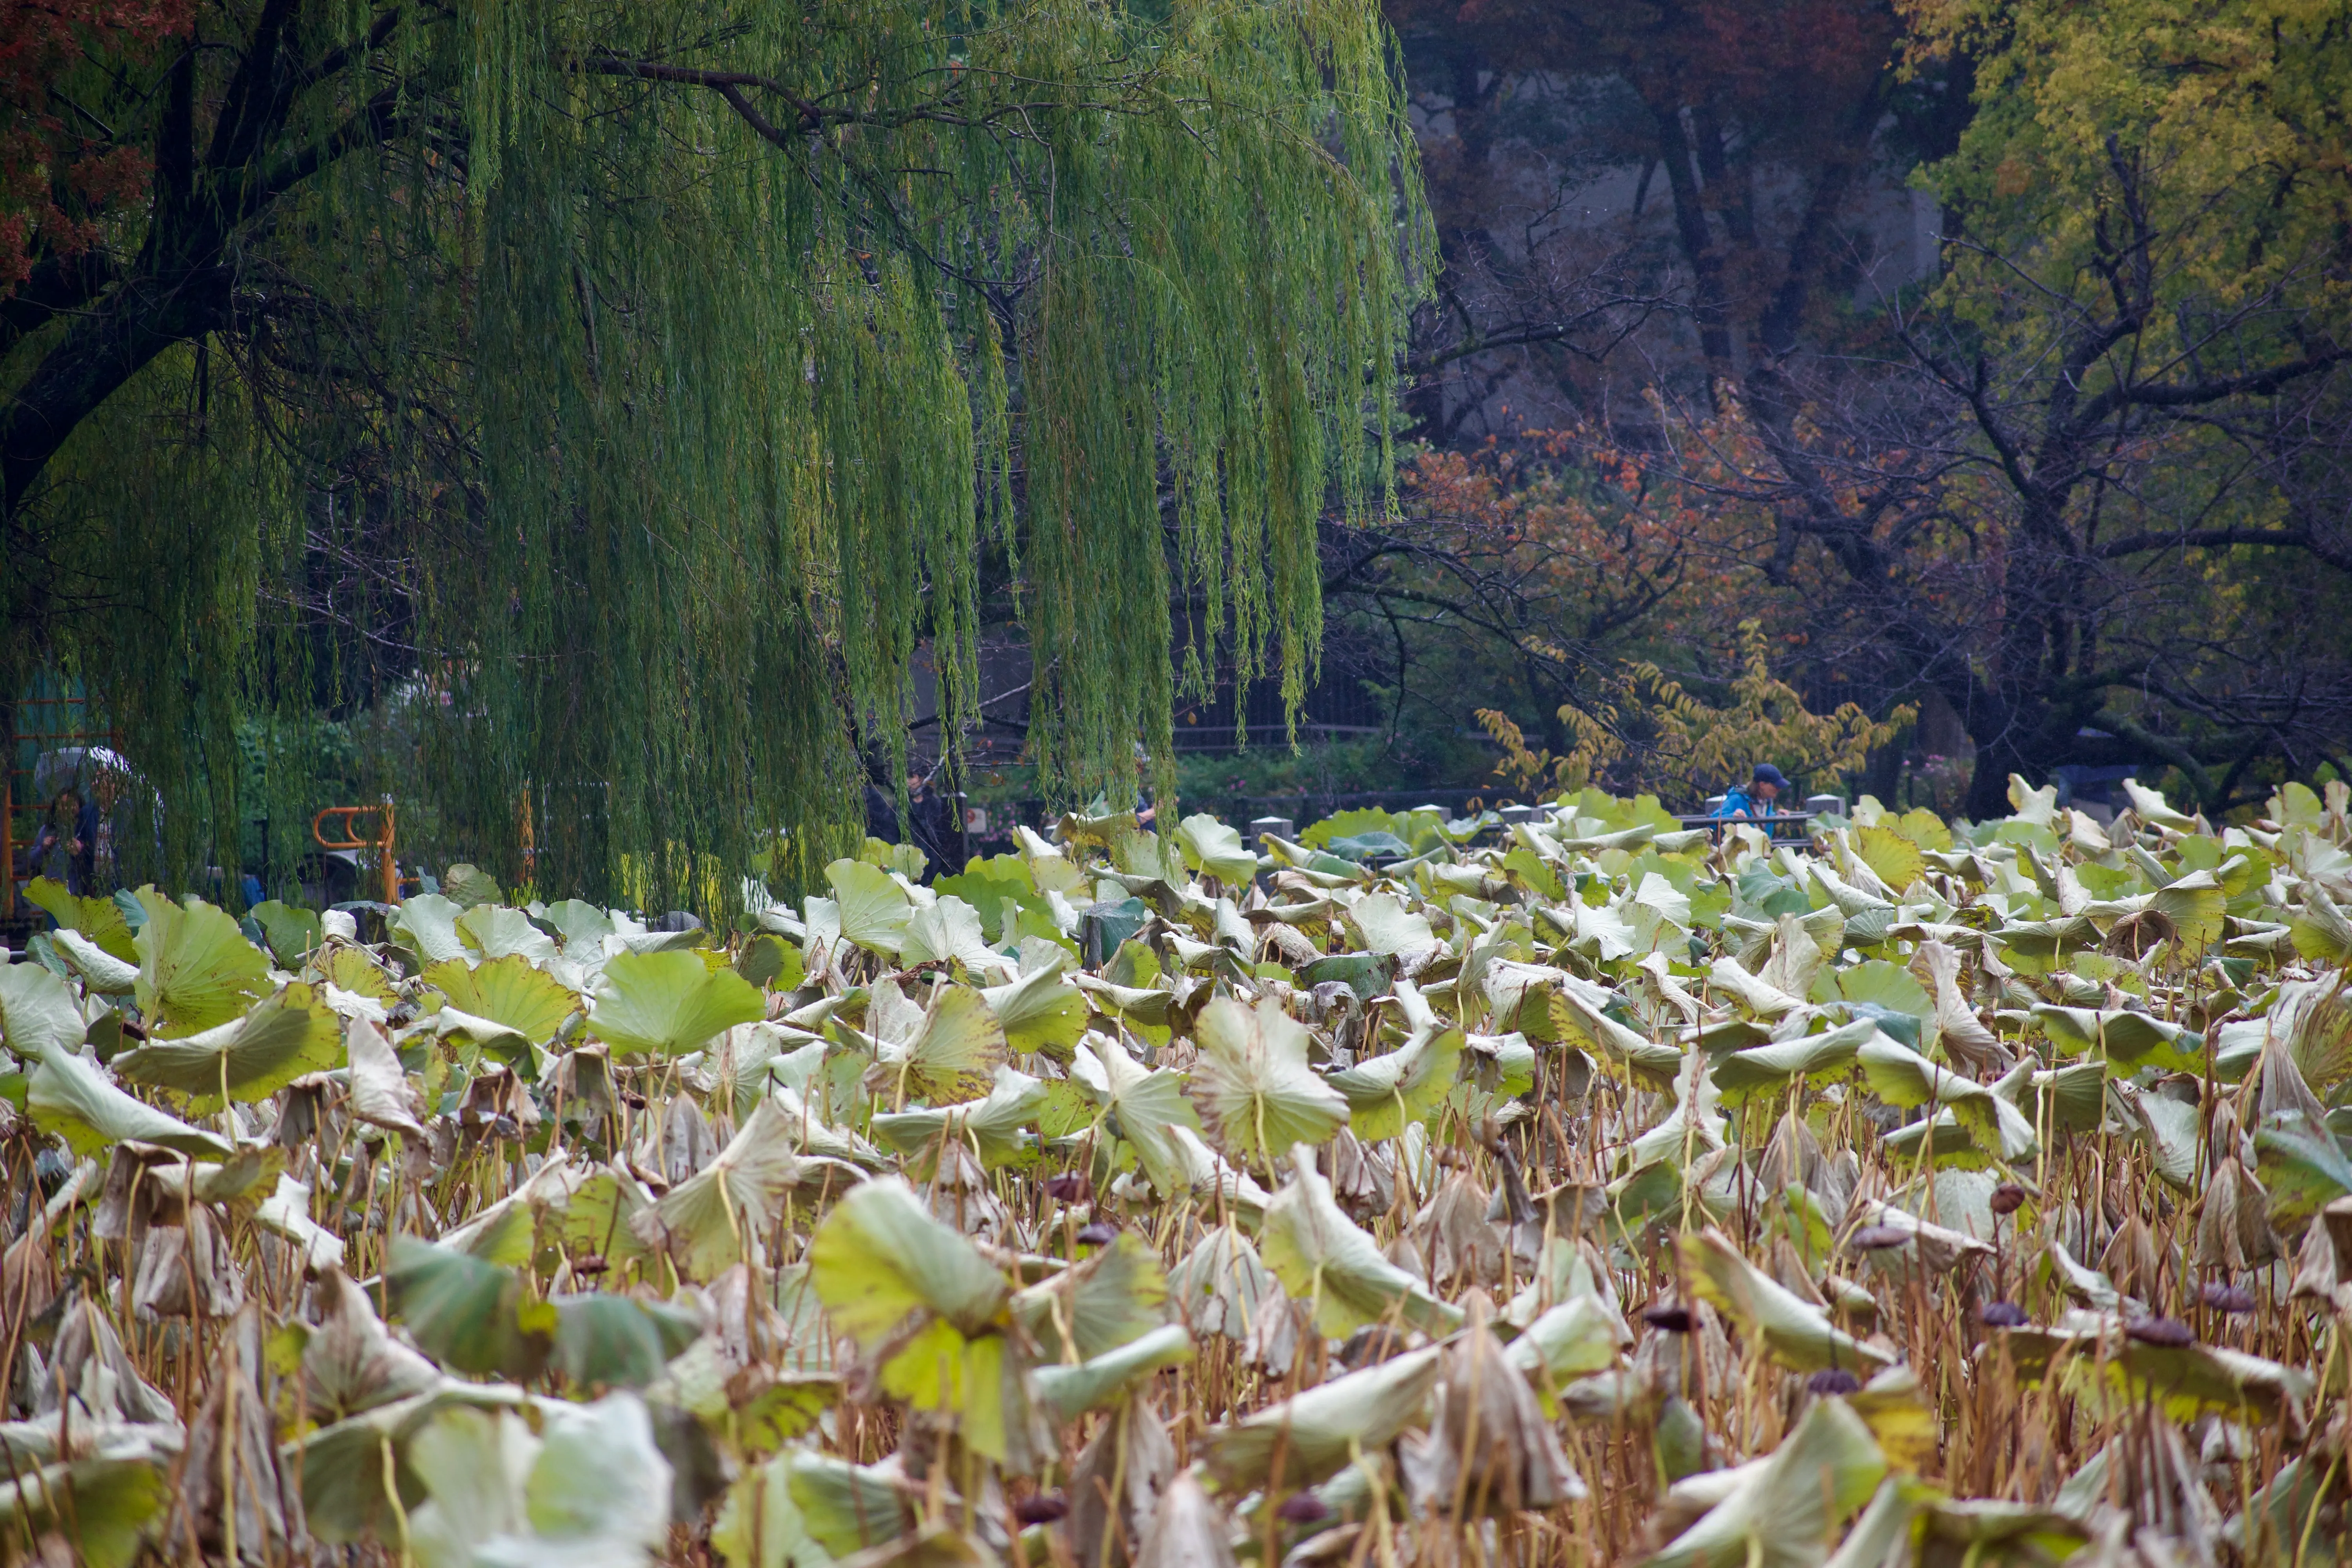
x: 1578, y: 1190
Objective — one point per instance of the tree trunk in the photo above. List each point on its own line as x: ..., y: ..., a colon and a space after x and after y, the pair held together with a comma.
x: 1988, y: 788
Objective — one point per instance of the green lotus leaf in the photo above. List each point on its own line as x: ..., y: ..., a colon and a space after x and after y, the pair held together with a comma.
x: 949, y: 931
x: 1784, y: 1512
x: 999, y: 888
x: 2322, y: 930
x: 1764, y: 1000
x: 1211, y: 847
x: 1118, y: 1295
x: 583, y: 927
x: 1069, y: 1392
x: 2152, y: 808
x: 1254, y: 1093
x: 1766, y: 1068
x: 349, y: 1362
x: 473, y: 1464
x: 1322, y: 1255
x: 1361, y: 846
x: 103, y: 972
x: 667, y: 1003
x: 1577, y: 1013
x: 1902, y: 1077
x: 1316, y: 1432
x: 466, y: 1313
x: 196, y: 969
x: 597, y: 1216
x: 99, y: 1510
x: 2075, y: 1096
x: 72, y: 1097
x: 495, y: 932
x: 253, y: 1058
x: 875, y: 910
x: 356, y: 970
x: 293, y: 934
x: 1907, y: 1509
x: 2192, y: 1379
x: 2197, y: 906
x: 600, y: 1489
x: 845, y: 1506
x: 771, y: 963
x: 1578, y: 1337
x: 516, y: 1001
x: 881, y: 1257
x: 469, y: 885
x: 426, y: 928
x: 1798, y: 1334
x: 2303, y: 1171
x: 1143, y: 1007
x: 952, y: 1057
x: 1390, y: 928
x: 2313, y: 1018
x: 1404, y: 1085
x: 715, y: 1218
x: 2120, y: 1372
x: 1040, y: 1012
x: 38, y: 1019
x: 1887, y: 986
x: 99, y: 920
x: 1954, y: 1141
x: 886, y: 1269
x: 1354, y: 822
x: 793, y: 1405
x: 1893, y: 858
x: 1960, y: 1035
x: 2128, y: 1039
x: 1146, y: 1108
x: 2170, y: 1129
x: 991, y: 1126
x: 345, y: 1474
x: 618, y: 1342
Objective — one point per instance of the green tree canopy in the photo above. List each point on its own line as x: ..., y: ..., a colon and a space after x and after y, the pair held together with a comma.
x: 656, y: 374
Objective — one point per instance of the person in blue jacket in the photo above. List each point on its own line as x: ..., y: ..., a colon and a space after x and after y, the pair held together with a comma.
x: 1756, y: 798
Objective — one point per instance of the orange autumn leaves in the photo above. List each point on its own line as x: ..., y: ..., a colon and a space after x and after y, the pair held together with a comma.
x: 1656, y: 556
x: 1607, y: 553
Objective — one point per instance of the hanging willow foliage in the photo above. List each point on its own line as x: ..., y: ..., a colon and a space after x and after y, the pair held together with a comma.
x: 667, y: 370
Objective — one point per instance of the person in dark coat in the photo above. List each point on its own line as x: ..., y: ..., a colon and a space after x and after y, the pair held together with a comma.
x: 66, y: 844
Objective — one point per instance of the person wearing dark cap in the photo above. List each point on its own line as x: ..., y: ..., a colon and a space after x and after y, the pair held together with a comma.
x: 1756, y: 798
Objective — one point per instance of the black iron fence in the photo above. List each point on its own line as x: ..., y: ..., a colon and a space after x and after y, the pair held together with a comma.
x: 1303, y: 808
x: 1790, y: 824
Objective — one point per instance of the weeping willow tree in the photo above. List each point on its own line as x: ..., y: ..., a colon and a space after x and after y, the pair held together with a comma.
x: 649, y: 381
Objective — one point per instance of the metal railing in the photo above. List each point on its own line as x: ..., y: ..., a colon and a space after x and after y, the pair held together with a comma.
x: 381, y: 841
x: 1788, y: 825
x: 1303, y: 807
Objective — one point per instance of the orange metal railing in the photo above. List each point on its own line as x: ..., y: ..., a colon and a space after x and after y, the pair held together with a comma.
x: 386, y: 822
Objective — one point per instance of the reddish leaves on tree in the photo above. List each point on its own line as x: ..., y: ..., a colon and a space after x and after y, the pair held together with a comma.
x: 61, y: 172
